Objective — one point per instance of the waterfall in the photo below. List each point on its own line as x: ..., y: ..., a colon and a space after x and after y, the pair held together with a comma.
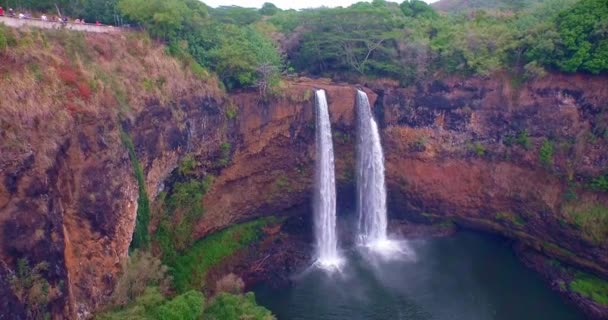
x: 325, y: 189
x: 370, y: 178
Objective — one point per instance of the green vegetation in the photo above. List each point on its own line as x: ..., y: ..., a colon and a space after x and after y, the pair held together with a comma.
x: 600, y: 183
x: 231, y: 111
x: 222, y: 40
x: 152, y: 304
x: 593, y: 222
x: 406, y: 41
x: 514, y: 219
x: 144, y: 291
x: 281, y: 185
x: 473, y: 5
x: 180, y: 212
x: 545, y: 153
x: 224, y: 158
x: 189, y: 269
x: 477, y: 148
x: 591, y: 287
x: 227, y: 306
x: 31, y: 288
x: 523, y: 139
x: 141, y: 238
x: 187, y: 165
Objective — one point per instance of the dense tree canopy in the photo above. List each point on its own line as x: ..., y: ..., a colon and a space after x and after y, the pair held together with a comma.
x: 407, y: 41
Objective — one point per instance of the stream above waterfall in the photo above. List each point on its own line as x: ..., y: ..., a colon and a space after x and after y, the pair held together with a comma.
x: 465, y: 276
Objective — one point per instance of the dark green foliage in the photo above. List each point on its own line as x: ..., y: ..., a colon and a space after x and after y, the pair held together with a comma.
x: 166, y: 19
x: 188, y: 306
x: 227, y: 306
x: 236, y: 15
x: 417, y: 8
x: 152, y: 305
x: 591, y: 287
x: 234, y: 53
x: 218, y: 39
x: 357, y: 40
x: 189, y: 269
x: 141, y: 237
x: 182, y: 209
x: 545, y: 154
x: 31, y: 288
x: 187, y: 165
x: 600, y: 183
x: 458, y: 6
x: 583, y: 33
x: 523, y: 139
x: 269, y: 9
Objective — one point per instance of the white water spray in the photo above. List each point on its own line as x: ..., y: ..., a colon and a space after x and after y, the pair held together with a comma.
x: 325, y: 189
x: 370, y: 182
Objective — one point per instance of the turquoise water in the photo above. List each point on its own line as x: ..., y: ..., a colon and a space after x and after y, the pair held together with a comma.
x: 464, y: 277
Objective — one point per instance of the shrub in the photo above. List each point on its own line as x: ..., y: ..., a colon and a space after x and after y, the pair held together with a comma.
x: 230, y: 283
x: 227, y: 306
x: 592, y: 220
x: 546, y: 153
x: 523, y: 139
x: 31, y: 288
x: 151, y: 304
x: 188, y: 306
x: 187, y: 165
x: 600, y: 183
x: 478, y: 149
x: 140, y: 271
x: 591, y: 287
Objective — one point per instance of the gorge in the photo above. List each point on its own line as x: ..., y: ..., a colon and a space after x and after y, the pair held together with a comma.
x: 122, y: 159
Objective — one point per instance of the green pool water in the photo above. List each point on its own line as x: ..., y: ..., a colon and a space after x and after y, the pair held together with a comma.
x: 464, y: 277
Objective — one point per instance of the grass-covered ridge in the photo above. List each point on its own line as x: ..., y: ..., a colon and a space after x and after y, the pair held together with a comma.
x: 591, y: 287
x: 190, y: 267
x: 407, y: 41
x: 592, y: 220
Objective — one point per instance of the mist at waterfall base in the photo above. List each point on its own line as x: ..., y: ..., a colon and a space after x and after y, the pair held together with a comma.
x: 463, y: 277
x: 324, y: 203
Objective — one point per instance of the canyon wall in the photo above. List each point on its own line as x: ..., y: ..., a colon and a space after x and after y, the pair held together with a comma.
x: 469, y: 151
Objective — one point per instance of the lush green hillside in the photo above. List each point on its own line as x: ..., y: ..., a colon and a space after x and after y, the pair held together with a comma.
x: 470, y: 5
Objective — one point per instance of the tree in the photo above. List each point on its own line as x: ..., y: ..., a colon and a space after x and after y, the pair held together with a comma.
x: 417, y: 8
x: 227, y: 306
x: 165, y: 19
x: 269, y: 9
x: 583, y: 33
x: 359, y: 39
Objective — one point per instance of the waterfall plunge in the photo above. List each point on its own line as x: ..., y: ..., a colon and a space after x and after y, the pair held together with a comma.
x: 370, y: 181
x: 325, y: 190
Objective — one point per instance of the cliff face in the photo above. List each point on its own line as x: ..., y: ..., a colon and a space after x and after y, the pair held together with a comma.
x: 463, y: 150
x: 68, y: 194
x: 516, y: 161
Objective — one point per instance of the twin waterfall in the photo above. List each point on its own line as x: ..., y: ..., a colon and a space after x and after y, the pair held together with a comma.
x: 371, y: 198
x: 371, y: 190
x: 325, y: 190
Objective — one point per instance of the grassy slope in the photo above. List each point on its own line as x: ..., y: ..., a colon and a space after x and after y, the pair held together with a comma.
x: 53, y: 80
x: 451, y: 6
